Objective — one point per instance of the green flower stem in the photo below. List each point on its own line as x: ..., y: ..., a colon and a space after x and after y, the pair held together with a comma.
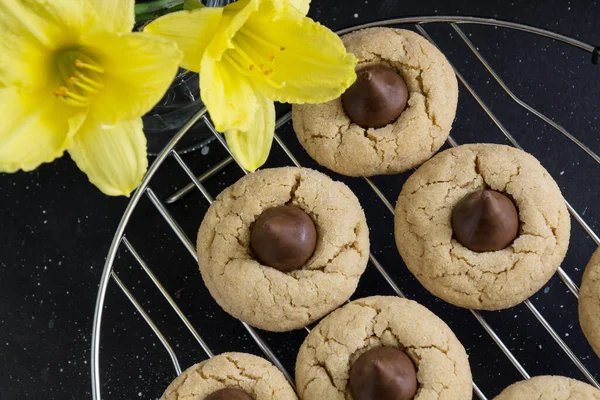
x: 154, y: 9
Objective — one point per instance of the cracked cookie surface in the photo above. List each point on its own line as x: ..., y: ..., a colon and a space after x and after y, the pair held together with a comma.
x: 263, y: 296
x: 254, y: 375
x: 589, y: 302
x: 331, y: 139
x: 326, y: 356
x: 549, y: 388
x: 487, y: 280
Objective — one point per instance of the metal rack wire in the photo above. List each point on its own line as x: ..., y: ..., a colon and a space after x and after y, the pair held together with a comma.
x: 120, y: 241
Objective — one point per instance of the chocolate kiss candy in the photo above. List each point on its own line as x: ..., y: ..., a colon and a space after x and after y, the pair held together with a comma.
x: 383, y: 373
x: 485, y: 220
x: 376, y: 98
x: 229, y: 394
x: 283, y: 237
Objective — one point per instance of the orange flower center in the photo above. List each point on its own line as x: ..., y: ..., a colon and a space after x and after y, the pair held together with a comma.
x: 80, y: 78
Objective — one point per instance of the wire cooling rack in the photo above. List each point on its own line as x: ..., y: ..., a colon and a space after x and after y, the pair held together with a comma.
x: 581, y: 360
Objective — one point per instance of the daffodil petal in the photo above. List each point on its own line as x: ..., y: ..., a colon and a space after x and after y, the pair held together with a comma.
x: 302, y: 5
x: 116, y: 15
x: 301, y: 61
x: 191, y: 30
x: 251, y: 148
x: 60, y: 22
x: 30, y: 31
x: 36, y: 128
x: 24, y: 38
x: 228, y: 95
x: 235, y: 16
x: 138, y: 69
x: 69, y: 16
x: 112, y: 156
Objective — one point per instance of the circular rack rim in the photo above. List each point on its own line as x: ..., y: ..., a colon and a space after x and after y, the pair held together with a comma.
x: 118, y: 238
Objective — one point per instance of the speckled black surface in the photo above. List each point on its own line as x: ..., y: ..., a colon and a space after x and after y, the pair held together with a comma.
x: 56, y: 228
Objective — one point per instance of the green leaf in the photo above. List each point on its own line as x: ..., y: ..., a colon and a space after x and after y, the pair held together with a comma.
x: 192, y: 4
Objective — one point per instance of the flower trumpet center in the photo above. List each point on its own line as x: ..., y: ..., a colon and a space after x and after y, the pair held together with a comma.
x: 254, y: 56
x: 80, y: 78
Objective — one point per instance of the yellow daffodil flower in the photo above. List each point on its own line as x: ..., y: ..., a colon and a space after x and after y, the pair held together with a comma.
x: 74, y: 77
x: 251, y: 53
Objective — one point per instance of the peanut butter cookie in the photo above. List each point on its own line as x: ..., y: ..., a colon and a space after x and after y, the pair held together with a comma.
x: 549, y: 388
x: 589, y: 302
x: 482, y: 226
x: 341, y: 347
x: 383, y: 124
x: 235, y: 374
x: 282, y: 247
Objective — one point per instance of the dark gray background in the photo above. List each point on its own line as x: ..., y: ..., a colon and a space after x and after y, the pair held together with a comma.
x: 56, y: 228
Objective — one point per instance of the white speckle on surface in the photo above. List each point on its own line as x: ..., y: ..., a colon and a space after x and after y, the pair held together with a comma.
x: 547, y: 290
x: 562, y: 172
x: 355, y: 15
x: 204, y: 150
